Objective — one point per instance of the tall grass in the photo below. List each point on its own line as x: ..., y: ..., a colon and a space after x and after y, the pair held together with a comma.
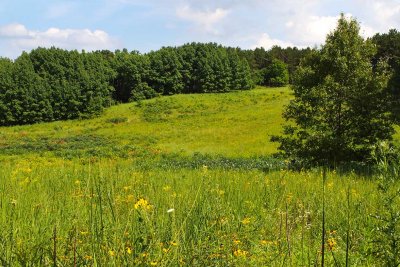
x: 112, y: 213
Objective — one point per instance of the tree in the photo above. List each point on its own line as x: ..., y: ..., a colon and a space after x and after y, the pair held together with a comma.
x: 164, y: 74
x: 388, y: 45
x: 276, y: 73
x: 339, y: 108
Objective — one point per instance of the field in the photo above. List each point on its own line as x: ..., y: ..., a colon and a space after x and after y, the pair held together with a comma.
x: 185, y: 180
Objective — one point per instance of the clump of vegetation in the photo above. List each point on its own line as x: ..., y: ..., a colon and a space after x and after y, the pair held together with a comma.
x: 385, y: 243
x: 117, y: 120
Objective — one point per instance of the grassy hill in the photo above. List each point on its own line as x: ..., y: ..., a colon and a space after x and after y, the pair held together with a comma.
x: 236, y: 124
x: 129, y: 189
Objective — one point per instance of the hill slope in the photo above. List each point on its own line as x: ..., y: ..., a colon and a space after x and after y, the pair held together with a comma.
x: 231, y: 124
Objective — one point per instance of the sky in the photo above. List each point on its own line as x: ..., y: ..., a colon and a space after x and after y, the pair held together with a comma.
x: 146, y: 25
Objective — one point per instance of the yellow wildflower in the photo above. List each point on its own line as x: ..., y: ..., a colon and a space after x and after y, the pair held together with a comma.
x: 142, y: 204
x: 111, y: 253
x: 167, y: 188
x: 87, y: 257
x: 331, y: 243
x: 237, y: 241
x: 129, y: 250
x: 240, y: 253
x: 153, y: 263
x: 289, y: 198
x: 246, y: 220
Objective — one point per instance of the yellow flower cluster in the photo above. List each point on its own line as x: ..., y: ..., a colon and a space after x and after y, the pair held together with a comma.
x: 331, y: 243
x: 240, y: 253
x: 246, y: 221
x: 142, y: 204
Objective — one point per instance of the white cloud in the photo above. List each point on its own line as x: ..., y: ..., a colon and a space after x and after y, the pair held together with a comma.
x: 267, y: 42
x: 205, y: 21
x: 16, y: 37
x: 381, y: 15
x: 310, y: 30
x: 13, y: 30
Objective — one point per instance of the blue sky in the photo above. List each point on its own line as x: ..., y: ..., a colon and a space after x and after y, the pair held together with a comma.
x: 146, y: 25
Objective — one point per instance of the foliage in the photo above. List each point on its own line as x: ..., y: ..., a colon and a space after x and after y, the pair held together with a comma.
x: 275, y: 74
x: 132, y: 70
x: 259, y: 59
x: 50, y: 84
x: 385, y: 245
x: 388, y: 48
x: 340, y: 108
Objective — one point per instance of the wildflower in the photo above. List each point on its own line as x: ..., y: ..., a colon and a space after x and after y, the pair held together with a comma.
x: 246, y: 220
x: 142, y: 204
x: 167, y: 188
x: 84, y: 232
x: 240, y: 253
x: 237, y: 241
x: 77, y: 182
x: 153, y: 263
x: 173, y: 243
x: 111, y: 253
x: 264, y: 242
x: 289, y: 198
x: 129, y: 250
x: 170, y: 210
x: 87, y: 257
x: 331, y: 243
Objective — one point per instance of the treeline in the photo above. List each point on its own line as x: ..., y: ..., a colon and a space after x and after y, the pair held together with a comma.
x: 53, y: 84
x: 274, y: 67
x: 50, y: 84
x: 191, y: 68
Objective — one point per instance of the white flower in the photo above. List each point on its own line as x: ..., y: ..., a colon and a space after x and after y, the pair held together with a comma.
x: 170, y: 210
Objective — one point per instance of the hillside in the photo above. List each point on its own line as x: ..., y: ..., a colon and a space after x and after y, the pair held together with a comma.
x: 235, y: 124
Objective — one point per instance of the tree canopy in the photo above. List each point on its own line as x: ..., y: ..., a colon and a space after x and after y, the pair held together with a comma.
x: 340, y: 101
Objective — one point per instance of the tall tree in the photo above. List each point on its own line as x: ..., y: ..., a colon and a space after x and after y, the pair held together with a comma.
x: 339, y: 110
x: 388, y: 45
x: 164, y: 74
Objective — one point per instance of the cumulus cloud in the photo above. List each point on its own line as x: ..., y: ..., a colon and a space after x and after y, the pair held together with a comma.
x: 16, y: 37
x: 267, y: 42
x: 203, y: 20
x: 311, y: 29
x: 380, y: 15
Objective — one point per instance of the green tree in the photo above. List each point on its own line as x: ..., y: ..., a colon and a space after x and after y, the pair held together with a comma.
x: 388, y: 45
x: 164, y: 74
x: 339, y: 108
x: 276, y: 73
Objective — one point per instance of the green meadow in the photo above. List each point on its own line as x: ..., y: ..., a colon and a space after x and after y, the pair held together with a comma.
x: 183, y: 180
x: 236, y: 124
